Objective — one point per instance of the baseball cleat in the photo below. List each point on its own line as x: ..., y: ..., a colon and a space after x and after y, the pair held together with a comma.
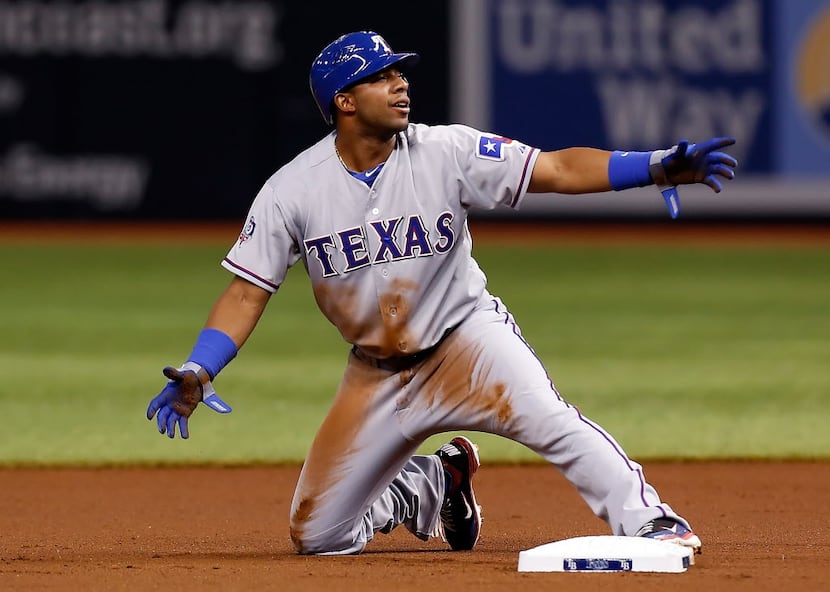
x: 670, y: 531
x: 460, y: 514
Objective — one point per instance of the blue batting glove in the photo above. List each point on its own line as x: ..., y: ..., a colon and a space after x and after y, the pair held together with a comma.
x: 699, y: 163
x: 188, y: 385
x: 688, y: 163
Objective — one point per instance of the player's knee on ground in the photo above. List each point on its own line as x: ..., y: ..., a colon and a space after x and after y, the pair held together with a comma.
x: 308, y: 540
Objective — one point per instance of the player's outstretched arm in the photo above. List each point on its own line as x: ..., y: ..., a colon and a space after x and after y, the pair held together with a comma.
x: 571, y: 171
x: 587, y: 170
x: 229, y: 325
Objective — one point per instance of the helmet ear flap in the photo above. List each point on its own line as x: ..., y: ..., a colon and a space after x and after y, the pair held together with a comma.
x: 346, y: 61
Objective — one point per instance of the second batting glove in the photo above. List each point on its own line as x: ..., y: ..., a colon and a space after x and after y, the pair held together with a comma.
x: 188, y: 386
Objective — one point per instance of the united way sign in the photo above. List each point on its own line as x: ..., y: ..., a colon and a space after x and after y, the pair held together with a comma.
x: 641, y: 74
x: 629, y: 74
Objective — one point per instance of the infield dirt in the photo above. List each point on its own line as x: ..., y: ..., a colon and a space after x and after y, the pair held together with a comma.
x: 765, y: 527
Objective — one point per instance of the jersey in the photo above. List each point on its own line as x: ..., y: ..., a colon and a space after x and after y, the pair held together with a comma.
x: 390, y: 264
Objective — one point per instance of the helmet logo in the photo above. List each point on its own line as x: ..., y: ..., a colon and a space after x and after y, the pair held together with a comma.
x: 379, y: 41
x: 363, y: 63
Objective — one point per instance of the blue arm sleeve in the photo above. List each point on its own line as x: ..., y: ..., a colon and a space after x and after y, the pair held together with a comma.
x: 629, y: 169
x: 213, y: 351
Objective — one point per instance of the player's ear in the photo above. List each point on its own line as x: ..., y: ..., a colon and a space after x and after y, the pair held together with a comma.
x: 344, y: 101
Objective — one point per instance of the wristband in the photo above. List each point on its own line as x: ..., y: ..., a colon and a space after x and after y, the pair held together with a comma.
x: 213, y: 350
x: 629, y: 169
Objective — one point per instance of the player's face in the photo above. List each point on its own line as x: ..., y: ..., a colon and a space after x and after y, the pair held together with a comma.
x: 382, y: 100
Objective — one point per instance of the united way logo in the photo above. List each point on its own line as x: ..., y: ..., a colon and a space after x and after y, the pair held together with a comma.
x: 813, y: 72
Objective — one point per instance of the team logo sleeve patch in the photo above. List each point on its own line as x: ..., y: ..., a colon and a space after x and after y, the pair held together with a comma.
x: 248, y: 231
x: 491, y: 147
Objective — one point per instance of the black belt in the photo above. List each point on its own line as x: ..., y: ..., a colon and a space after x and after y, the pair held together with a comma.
x: 401, y: 363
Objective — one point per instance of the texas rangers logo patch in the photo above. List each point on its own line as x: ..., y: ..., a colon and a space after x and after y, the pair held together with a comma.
x: 491, y: 147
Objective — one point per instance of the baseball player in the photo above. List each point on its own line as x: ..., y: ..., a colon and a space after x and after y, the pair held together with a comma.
x: 376, y: 212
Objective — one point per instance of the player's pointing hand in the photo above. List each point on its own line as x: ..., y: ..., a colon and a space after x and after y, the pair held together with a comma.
x: 699, y: 163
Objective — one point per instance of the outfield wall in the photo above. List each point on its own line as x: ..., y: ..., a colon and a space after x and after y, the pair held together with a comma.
x: 746, y: 199
x: 177, y: 109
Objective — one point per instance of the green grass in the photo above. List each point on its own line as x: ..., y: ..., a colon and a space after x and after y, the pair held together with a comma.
x: 678, y: 352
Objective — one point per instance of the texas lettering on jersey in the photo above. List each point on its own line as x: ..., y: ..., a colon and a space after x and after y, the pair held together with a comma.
x: 397, y: 239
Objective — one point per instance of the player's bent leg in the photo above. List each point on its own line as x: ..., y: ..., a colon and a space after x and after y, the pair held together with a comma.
x: 486, y: 377
x: 612, y: 484
x: 360, y: 476
x: 336, y: 532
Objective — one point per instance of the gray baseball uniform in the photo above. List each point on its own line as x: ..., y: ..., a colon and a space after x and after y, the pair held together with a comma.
x: 391, y: 267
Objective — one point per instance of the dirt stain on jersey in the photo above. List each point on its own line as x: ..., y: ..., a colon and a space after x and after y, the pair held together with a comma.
x: 395, y: 311
x: 382, y: 330
x: 340, y: 306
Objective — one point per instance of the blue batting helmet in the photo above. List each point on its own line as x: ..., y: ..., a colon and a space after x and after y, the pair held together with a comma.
x: 348, y: 60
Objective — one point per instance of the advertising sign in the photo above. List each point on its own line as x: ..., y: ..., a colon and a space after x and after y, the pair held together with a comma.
x: 633, y: 74
x: 644, y: 74
x: 174, y: 109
